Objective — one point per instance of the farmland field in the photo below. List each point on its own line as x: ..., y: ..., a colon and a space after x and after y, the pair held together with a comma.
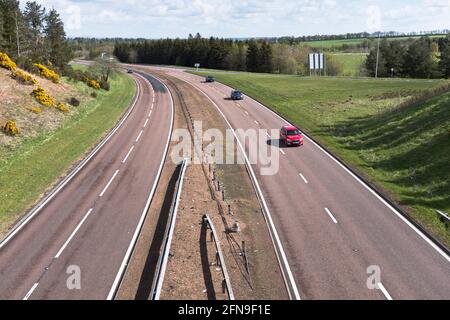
x: 361, y: 122
x: 329, y: 44
x: 351, y: 63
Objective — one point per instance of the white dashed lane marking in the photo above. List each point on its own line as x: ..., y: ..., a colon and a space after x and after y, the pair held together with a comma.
x: 109, y: 183
x: 128, y: 154
x: 139, y: 136
x: 303, y: 177
x: 331, y: 215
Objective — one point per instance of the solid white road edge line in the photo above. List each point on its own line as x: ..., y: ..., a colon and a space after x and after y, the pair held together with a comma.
x: 27, y: 296
x: 385, y: 292
x: 277, y: 242
x: 109, y: 183
x: 71, y: 175
x: 73, y: 233
x: 128, y: 154
x: 127, y: 256
x: 331, y: 215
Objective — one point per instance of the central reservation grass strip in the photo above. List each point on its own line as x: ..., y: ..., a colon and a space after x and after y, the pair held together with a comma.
x: 27, y: 172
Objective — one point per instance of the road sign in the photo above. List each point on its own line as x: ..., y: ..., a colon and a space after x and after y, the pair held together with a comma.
x: 316, y: 62
x: 311, y: 61
x: 197, y: 65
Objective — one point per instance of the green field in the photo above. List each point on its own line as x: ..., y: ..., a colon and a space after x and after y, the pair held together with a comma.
x: 351, y: 63
x: 405, y: 151
x: 28, y: 171
x: 329, y: 44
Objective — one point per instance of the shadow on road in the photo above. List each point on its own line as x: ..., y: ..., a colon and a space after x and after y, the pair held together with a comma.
x: 276, y: 143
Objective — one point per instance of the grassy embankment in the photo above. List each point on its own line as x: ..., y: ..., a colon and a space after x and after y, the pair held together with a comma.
x: 33, y: 166
x: 405, y: 151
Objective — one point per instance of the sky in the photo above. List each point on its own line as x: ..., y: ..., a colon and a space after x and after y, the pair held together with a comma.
x: 246, y: 18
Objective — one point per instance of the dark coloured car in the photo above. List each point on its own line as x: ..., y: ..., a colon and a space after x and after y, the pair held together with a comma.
x: 130, y: 71
x: 236, y: 95
x: 209, y: 79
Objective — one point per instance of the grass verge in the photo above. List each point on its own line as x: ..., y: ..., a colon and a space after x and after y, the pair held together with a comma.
x: 34, y: 166
x: 399, y: 142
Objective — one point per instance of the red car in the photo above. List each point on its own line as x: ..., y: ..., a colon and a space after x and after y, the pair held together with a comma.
x: 291, y: 136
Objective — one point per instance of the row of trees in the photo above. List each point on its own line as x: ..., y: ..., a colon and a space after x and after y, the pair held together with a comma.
x: 424, y: 57
x: 249, y: 55
x: 420, y: 58
x: 243, y: 55
x: 357, y: 35
x: 33, y: 35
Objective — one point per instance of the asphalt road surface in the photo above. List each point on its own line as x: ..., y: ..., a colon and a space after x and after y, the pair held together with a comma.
x: 87, y: 228
x: 336, y: 233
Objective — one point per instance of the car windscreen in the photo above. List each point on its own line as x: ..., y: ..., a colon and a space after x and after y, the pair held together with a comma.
x: 293, y: 132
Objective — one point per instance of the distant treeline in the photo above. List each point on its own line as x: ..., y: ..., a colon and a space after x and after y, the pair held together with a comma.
x: 225, y: 54
x: 419, y: 58
x: 424, y: 57
x: 33, y: 35
x: 357, y: 35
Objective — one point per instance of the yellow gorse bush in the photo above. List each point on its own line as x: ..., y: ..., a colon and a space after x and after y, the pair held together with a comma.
x: 94, y: 84
x: 23, y: 77
x: 46, y: 73
x: 43, y: 97
x: 62, y: 107
x: 6, y: 62
x: 11, y: 128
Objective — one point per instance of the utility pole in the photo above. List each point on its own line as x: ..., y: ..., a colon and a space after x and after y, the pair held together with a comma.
x: 17, y: 37
x: 378, y: 54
